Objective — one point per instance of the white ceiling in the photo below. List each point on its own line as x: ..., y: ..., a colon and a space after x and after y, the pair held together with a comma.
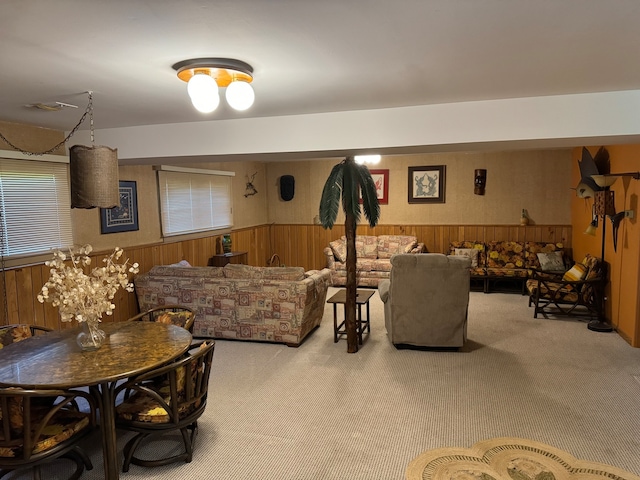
x: 308, y: 56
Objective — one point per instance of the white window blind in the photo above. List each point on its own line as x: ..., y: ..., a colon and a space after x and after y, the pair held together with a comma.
x: 35, y: 207
x: 194, y: 202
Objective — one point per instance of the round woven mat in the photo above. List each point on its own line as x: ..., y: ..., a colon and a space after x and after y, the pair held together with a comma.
x: 508, y: 459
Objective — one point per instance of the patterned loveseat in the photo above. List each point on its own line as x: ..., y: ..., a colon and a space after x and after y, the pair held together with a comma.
x: 373, y: 257
x: 271, y: 304
x: 496, y: 261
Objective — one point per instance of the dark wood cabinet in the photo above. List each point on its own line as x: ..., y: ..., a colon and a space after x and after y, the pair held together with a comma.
x: 221, y: 259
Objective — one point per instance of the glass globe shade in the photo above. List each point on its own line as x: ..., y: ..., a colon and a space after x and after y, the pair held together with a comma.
x: 240, y: 95
x: 203, y: 91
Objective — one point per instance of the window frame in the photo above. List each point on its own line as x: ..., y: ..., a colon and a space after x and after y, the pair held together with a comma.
x: 220, y: 194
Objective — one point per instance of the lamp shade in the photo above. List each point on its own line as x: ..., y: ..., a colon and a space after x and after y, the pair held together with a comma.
x: 604, y: 181
x: 240, y: 95
x: 94, y: 177
x: 591, y: 229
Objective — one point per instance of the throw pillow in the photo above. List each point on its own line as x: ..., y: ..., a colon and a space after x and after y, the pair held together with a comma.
x: 551, y: 262
x: 339, y: 249
x: 576, y: 273
x: 472, y: 253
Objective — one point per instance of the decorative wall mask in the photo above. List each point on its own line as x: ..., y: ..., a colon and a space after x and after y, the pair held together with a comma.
x: 480, y: 181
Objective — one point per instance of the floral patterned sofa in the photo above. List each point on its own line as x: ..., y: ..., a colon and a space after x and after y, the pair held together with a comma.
x: 373, y: 257
x: 271, y: 304
x: 496, y: 261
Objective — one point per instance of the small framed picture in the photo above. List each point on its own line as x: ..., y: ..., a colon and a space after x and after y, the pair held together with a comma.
x: 427, y: 184
x: 381, y: 180
x: 123, y: 218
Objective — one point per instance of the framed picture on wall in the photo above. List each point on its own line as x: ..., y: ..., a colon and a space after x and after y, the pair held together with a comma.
x: 124, y: 217
x: 381, y: 180
x: 427, y: 184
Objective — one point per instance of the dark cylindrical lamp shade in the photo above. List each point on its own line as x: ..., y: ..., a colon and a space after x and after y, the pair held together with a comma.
x: 94, y: 177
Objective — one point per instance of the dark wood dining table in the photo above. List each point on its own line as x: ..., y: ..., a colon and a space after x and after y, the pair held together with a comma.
x: 54, y: 360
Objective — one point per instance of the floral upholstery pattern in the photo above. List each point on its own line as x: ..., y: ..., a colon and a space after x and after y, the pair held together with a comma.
x: 374, y: 253
x: 262, y: 305
x: 505, y: 260
x: 13, y: 333
x: 49, y: 425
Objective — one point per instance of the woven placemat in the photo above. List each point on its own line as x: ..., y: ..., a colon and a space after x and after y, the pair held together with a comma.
x: 508, y: 459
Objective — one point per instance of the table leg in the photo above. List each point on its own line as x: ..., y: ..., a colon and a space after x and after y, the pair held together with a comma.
x: 106, y: 405
x: 359, y: 323
x: 335, y: 323
x: 368, y: 319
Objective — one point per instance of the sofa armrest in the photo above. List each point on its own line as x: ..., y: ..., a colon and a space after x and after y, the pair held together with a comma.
x: 419, y: 248
x: 383, y: 290
x: 331, y: 259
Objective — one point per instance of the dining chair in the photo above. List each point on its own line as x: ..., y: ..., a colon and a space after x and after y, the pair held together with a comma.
x: 166, y: 399
x: 171, y: 314
x: 16, y: 332
x: 38, y: 426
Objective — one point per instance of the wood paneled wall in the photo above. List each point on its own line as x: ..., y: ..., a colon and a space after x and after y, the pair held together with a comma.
x: 24, y: 283
x: 303, y: 244
x: 299, y: 245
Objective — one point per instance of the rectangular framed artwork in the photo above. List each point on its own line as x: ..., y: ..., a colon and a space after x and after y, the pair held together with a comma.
x: 123, y: 218
x: 381, y: 180
x: 427, y: 184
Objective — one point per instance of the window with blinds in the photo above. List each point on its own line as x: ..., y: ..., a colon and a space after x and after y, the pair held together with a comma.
x: 35, y: 207
x: 193, y: 200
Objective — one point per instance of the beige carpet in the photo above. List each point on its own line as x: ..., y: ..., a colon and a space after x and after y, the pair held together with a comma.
x: 508, y: 459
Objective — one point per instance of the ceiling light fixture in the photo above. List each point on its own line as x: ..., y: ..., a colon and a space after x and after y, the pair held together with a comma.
x: 204, y: 76
x: 373, y: 159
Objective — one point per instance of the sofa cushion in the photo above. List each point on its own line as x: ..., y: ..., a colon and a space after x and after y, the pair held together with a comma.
x: 505, y: 255
x: 186, y: 272
x: 467, y: 244
x: 366, y: 246
x: 237, y: 271
x: 575, y: 273
x: 394, y: 244
x: 532, y: 249
x: 551, y: 262
x: 339, y: 249
x: 472, y: 253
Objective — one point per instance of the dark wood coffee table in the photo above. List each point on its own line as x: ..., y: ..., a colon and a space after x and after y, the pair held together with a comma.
x: 362, y: 298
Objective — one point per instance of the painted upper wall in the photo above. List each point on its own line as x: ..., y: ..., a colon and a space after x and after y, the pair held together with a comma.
x: 535, y: 122
x: 538, y: 181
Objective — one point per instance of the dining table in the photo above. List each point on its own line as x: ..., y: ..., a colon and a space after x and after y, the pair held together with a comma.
x: 55, y: 361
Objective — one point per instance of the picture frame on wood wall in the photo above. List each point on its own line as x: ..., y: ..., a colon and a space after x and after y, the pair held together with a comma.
x: 124, y: 217
x: 381, y: 180
x: 427, y: 184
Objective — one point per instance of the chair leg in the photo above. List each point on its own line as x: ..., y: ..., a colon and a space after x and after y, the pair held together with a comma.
x: 129, y: 449
x: 188, y: 438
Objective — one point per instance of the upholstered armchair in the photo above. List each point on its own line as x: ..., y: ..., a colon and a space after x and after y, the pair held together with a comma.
x: 426, y: 300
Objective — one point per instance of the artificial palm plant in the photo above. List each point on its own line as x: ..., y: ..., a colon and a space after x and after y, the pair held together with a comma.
x: 349, y: 181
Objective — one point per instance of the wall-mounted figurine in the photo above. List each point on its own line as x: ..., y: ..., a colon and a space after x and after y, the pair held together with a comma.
x: 250, y: 189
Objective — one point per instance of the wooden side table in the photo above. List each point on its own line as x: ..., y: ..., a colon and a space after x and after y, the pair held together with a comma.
x: 362, y: 298
x: 221, y: 259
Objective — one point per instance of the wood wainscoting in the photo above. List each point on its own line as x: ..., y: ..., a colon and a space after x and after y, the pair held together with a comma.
x: 303, y: 244
x: 296, y: 245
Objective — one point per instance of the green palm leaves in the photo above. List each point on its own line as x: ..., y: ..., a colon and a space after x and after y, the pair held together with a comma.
x: 347, y: 181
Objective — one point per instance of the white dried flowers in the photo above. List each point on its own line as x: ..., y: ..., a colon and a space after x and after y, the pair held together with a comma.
x: 83, y: 296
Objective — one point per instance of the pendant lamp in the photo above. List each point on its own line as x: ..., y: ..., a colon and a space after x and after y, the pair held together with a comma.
x: 94, y: 173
